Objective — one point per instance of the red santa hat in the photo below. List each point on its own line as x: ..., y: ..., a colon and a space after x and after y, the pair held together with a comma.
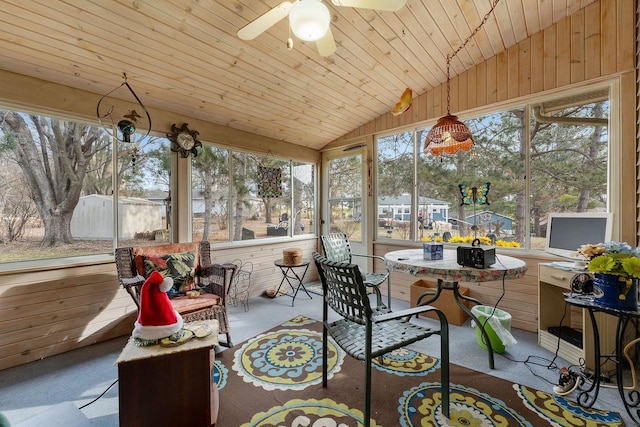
x: 157, y: 318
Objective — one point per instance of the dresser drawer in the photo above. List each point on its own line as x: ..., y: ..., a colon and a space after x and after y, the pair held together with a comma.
x: 556, y: 277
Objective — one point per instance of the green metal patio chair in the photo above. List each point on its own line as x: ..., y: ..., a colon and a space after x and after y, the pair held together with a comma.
x: 337, y: 248
x: 365, y: 333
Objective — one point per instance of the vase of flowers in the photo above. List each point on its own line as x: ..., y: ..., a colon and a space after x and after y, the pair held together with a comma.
x: 616, y: 270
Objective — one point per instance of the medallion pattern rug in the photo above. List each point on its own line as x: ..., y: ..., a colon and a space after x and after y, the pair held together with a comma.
x: 275, y: 379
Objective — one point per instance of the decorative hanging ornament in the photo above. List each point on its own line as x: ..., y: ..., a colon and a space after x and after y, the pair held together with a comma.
x: 121, y: 122
x: 449, y: 134
x: 269, y: 178
x: 404, y: 104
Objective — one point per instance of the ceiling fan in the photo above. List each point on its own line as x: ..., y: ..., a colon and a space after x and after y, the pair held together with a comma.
x: 309, y: 20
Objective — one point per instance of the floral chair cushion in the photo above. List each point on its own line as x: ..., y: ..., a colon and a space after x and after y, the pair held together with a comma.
x: 178, y: 266
x: 139, y: 252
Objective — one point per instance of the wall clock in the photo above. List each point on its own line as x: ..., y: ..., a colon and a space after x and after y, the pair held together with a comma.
x: 183, y: 140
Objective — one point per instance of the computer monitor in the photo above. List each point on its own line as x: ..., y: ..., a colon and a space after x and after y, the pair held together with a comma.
x: 566, y: 232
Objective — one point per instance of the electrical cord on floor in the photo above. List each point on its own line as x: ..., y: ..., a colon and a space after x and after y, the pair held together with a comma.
x: 102, y: 394
x: 495, y: 306
x: 564, y: 314
x: 530, y: 361
x: 588, y: 377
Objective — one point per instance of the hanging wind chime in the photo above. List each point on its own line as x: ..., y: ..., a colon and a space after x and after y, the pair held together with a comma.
x: 121, y: 122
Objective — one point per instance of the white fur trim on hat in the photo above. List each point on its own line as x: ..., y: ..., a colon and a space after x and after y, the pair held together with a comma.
x: 157, y: 332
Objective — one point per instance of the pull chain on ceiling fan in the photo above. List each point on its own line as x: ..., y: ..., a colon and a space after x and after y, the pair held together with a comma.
x: 310, y: 20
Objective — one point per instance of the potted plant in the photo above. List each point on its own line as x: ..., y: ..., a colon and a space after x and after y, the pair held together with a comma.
x: 616, y: 269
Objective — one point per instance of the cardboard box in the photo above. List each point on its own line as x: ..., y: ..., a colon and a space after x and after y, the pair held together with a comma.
x: 432, y: 251
x: 445, y: 302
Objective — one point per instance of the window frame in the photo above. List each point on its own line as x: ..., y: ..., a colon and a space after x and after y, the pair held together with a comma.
x: 614, y: 174
x: 230, y: 242
x: 181, y: 212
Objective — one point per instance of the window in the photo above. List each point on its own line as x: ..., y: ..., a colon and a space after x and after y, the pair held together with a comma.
x: 242, y: 196
x: 494, y: 167
x: 57, y: 197
x: 569, y: 153
x: 304, y: 201
x: 210, y: 195
x: 144, y: 199
x: 345, y: 196
x: 560, y: 164
x: 395, y: 171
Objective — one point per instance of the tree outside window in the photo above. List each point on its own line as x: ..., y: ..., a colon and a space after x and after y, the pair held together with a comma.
x: 240, y: 196
x: 56, y: 197
x: 566, y: 148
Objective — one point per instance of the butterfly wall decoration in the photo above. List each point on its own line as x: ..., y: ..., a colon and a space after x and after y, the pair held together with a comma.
x: 475, y: 195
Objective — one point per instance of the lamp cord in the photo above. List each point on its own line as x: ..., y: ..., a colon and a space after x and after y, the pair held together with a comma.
x: 464, y: 43
x: 101, y: 394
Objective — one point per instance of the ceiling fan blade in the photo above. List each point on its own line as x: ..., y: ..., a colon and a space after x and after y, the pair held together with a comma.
x: 326, y: 45
x: 386, y: 5
x: 263, y: 22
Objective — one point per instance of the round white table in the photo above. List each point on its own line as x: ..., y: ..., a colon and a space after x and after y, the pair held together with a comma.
x: 449, y: 273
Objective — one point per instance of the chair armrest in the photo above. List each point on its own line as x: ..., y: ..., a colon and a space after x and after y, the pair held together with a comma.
x: 215, y: 278
x: 369, y: 256
x: 133, y: 281
x: 132, y: 285
x: 404, y: 313
x: 378, y: 257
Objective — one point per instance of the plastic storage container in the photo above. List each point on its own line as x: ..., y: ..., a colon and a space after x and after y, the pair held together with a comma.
x: 498, y: 327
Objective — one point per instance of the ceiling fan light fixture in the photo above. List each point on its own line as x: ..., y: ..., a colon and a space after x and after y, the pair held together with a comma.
x: 309, y: 19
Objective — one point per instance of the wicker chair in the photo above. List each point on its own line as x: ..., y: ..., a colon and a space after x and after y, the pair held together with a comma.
x: 337, y: 248
x: 213, y: 278
x: 365, y: 333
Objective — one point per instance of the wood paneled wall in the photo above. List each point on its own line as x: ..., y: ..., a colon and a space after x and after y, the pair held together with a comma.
x: 595, y: 42
x: 637, y: 120
x: 51, y: 311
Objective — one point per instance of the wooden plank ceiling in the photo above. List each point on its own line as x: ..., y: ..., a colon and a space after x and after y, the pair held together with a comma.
x: 184, y: 56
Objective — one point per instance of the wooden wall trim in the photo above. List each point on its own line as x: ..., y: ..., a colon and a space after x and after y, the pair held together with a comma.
x: 43, y: 313
x: 40, y: 96
x: 637, y: 121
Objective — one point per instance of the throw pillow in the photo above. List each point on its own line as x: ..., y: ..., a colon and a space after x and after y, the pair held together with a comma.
x: 178, y: 266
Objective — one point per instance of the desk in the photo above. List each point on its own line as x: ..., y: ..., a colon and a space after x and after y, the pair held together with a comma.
x: 589, y: 391
x: 161, y: 386
x: 289, y: 273
x: 449, y: 273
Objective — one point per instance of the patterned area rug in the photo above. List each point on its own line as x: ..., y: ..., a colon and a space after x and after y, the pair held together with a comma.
x: 275, y: 379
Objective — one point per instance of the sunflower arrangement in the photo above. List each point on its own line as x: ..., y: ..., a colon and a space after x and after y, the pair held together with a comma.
x: 617, y: 258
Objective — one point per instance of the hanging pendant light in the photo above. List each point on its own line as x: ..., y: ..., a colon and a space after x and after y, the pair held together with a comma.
x: 450, y: 135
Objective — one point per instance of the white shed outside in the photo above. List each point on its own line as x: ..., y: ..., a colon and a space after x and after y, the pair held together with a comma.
x: 93, y: 217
